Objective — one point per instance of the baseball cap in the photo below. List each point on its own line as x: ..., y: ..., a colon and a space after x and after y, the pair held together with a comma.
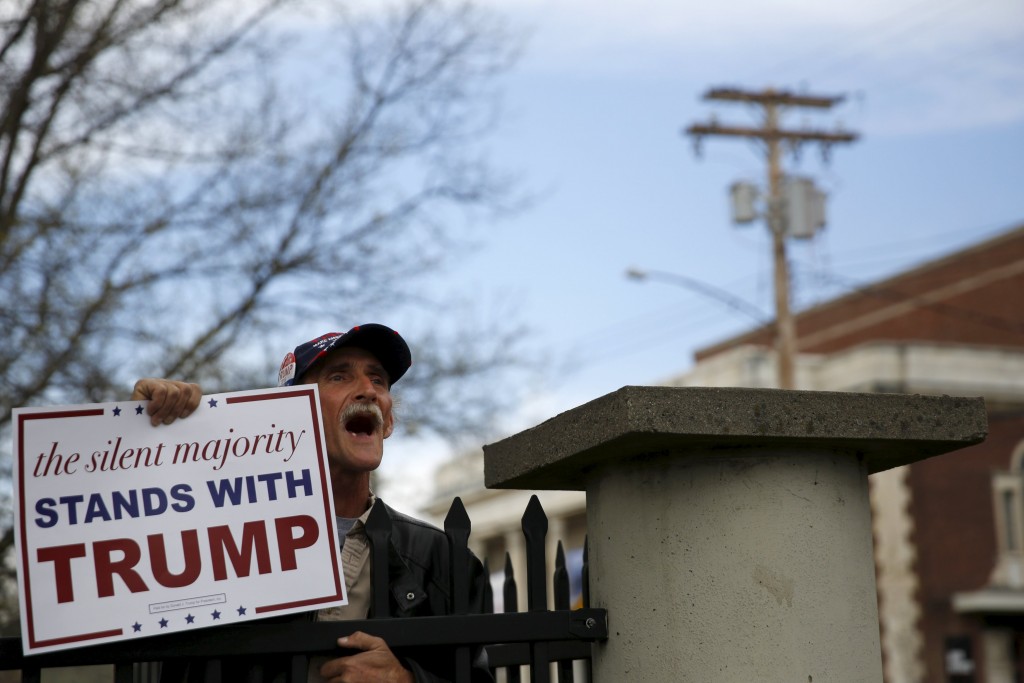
x: 380, y: 340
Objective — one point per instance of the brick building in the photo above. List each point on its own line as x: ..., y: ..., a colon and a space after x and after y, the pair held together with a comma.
x: 949, y: 531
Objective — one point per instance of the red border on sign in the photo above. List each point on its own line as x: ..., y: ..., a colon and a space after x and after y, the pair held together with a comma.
x: 20, y: 455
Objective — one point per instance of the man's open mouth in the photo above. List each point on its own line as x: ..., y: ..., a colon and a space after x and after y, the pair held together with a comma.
x: 362, y: 419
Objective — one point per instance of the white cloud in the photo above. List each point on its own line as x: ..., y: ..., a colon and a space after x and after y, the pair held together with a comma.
x: 738, y: 22
x: 925, y: 65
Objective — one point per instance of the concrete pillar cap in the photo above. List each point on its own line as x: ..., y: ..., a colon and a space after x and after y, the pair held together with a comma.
x: 886, y: 430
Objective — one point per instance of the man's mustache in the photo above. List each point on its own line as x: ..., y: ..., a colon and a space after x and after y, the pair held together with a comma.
x: 364, y: 411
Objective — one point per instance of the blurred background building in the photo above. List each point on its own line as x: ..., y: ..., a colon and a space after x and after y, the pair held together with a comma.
x: 949, y: 531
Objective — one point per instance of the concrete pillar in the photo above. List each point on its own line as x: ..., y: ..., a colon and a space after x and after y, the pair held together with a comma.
x: 730, y: 529
x: 754, y: 570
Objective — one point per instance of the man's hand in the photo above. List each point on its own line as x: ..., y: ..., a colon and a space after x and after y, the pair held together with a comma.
x: 168, y: 399
x: 376, y: 663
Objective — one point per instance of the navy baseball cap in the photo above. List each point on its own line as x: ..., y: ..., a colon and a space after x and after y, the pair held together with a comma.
x: 383, y: 342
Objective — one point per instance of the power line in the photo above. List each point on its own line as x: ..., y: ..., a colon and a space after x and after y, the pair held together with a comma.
x: 648, y: 330
x: 934, y: 245
x: 883, y: 31
x: 650, y: 338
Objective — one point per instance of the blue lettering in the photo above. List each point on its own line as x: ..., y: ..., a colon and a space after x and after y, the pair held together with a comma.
x: 72, y: 502
x: 44, y: 506
x: 182, y: 494
x: 96, y: 509
x: 119, y: 505
x: 221, y: 489
x: 129, y: 504
x: 293, y: 483
x: 151, y: 507
x: 270, y: 479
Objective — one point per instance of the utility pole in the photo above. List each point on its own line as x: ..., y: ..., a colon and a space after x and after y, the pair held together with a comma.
x: 772, y: 135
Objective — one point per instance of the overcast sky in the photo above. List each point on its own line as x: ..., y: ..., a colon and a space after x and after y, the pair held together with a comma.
x: 592, y: 119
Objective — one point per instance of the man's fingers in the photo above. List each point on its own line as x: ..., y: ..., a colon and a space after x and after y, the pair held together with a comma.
x: 362, y: 641
x: 375, y: 663
x: 168, y: 399
x: 181, y: 402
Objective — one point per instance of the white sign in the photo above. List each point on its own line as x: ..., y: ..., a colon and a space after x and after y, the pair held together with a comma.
x: 125, y: 530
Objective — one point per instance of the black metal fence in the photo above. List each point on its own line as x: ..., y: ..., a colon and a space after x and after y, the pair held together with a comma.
x: 534, y: 639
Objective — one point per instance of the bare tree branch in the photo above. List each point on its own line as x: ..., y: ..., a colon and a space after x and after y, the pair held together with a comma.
x: 172, y: 186
x: 187, y: 191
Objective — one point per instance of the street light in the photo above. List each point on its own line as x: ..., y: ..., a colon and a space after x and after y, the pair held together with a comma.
x: 730, y: 300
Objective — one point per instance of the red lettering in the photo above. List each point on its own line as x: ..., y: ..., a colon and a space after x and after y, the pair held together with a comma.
x: 190, y: 552
x: 121, y: 556
x: 106, y: 566
x: 254, y: 538
x: 61, y: 557
x: 287, y: 543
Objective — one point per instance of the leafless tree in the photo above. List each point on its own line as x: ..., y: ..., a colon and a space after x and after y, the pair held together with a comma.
x: 186, y: 184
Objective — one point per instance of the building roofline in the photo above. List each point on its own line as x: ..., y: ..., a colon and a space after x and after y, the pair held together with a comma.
x: 889, y: 283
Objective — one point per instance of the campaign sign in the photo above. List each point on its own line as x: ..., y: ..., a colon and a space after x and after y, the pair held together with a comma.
x: 126, y: 530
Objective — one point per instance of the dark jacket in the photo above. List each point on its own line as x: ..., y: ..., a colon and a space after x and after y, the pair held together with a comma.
x: 419, y: 585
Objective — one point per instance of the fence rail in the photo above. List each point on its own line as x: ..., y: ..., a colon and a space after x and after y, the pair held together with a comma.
x: 534, y: 638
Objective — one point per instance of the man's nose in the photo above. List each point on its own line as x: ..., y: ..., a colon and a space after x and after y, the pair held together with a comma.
x: 367, y: 389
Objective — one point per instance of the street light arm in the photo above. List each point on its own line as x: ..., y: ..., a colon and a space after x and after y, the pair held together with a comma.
x: 732, y: 301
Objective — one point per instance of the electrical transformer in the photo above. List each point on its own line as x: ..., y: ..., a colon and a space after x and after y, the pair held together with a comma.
x: 803, y: 206
x: 743, y: 199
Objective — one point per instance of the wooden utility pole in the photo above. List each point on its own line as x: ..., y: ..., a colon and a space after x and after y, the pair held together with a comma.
x: 770, y: 132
